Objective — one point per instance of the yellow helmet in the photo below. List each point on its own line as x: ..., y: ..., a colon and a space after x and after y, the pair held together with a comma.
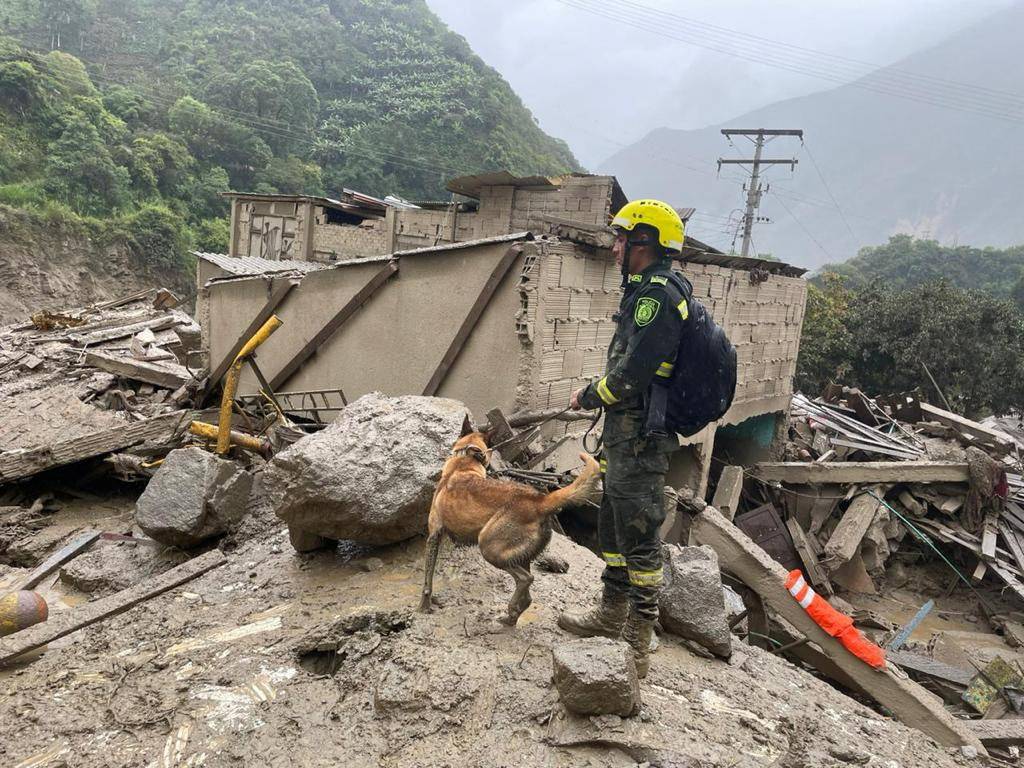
x: 653, y: 213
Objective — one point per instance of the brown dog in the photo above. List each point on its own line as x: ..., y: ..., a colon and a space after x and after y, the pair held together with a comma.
x: 510, y: 522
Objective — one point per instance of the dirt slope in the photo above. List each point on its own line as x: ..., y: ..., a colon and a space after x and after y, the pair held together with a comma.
x: 234, y: 670
x: 53, y: 267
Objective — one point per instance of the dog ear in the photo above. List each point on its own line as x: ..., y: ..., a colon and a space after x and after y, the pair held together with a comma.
x: 467, y: 427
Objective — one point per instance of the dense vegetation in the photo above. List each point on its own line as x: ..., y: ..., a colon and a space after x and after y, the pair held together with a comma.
x: 877, y: 337
x: 150, y: 108
x: 905, y: 262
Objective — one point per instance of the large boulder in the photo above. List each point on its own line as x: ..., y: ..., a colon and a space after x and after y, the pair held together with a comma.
x: 692, y: 602
x: 194, y: 496
x: 370, y: 475
x: 597, y: 676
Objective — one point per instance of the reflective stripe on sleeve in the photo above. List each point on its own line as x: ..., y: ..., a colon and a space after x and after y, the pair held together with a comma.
x: 684, y: 309
x: 606, y: 394
x: 614, y: 559
x: 665, y: 370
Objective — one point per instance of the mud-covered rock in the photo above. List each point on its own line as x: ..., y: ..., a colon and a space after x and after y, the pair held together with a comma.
x: 109, y: 568
x: 370, y: 475
x: 597, y: 676
x: 193, y: 497
x: 692, y: 602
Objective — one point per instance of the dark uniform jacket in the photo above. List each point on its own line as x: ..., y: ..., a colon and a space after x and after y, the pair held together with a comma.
x: 649, y: 324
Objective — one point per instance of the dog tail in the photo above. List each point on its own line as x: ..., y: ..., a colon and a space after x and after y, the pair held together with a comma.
x: 581, y: 489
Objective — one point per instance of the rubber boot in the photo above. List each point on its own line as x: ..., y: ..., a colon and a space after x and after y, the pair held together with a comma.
x: 606, y: 619
x: 637, y: 632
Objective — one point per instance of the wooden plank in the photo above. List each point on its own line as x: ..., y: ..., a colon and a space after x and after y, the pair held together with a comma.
x: 15, y: 465
x: 1012, y: 543
x: 845, y: 540
x: 925, y: 665
x: 57, y: 559
x: 333, y: 325
x: 1008, y: 578
x: 66, y: 622
x: 167, y: 375
x: 998, y: 733
x: 874, y: 448
x: 988, y: 536
x: 727, y: 494
x: 278, y: 295
x: 121, y: 331
x: 813, y: 569
x: 850, y: 472
x: 472, y: 317
x: 907, y: 701
x: 972, y: 428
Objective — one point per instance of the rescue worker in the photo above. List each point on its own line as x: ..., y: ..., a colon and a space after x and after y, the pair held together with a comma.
x: 634, y: 456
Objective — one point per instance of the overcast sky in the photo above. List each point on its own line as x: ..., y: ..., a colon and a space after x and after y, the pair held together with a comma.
x: 601, y: 85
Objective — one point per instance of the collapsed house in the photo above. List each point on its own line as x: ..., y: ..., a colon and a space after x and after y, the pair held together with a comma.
x: 503, y: 302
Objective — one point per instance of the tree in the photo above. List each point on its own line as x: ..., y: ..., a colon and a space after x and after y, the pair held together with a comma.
x: 81, y: 172
x: 825, y: 342
x: 971, y: 342
x: 291, y: 176
x: 216, y: 139
x: 276, y: 97
x: 159, y: 164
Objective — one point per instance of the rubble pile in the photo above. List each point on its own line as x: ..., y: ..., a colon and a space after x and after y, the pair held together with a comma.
x: 875, y: 493
x: 871, y: 476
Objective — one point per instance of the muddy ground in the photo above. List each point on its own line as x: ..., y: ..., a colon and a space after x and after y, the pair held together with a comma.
x: 278, y: 659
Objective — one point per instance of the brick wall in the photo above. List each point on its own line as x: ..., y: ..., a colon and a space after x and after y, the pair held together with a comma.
x: 585, y: 199
x: 422, y: 228
x: 572, y: 293
x: 342, y: 242
x: 763, y: 322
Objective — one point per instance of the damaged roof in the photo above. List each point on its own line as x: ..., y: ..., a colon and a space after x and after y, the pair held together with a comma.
x: 254, y: 265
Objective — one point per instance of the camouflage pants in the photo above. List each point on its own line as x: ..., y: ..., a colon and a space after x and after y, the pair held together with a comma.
x: 632, y: 512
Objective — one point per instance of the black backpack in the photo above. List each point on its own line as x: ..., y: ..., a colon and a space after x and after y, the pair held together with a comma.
x: 703, y: 381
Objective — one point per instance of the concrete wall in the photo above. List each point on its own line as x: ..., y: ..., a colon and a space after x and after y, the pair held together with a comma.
x: 394, y: 343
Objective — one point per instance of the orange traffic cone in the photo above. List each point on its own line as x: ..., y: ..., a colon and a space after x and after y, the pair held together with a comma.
x: 838, y: 625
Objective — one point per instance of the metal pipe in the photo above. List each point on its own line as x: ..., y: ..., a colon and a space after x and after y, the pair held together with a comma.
x: 231, y: 381
x: 212, y: 432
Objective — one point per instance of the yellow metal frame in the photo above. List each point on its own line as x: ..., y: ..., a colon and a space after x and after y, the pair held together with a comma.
x: 231, y: 381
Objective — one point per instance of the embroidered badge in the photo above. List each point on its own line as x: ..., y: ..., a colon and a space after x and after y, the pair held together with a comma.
x: 646, y: 310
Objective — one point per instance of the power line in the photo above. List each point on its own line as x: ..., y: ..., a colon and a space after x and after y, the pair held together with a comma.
x: 806, y: 230
x: 829, y: 190
x: 881, y: 81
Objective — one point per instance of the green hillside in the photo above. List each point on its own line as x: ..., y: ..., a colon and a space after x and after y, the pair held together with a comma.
x: 905, y: 262
x: 149, y: 109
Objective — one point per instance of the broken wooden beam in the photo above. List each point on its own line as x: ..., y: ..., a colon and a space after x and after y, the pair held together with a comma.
x: 66, y: 622
x: 123, y: 331
x: 850, y: 472
x: 998, y: 733
x: 908, y: 702
x: 806, y: 551
x: 167, y: 375
x: 848, y: 534
x: 63, y: 555
x: 966, y: 426
x: 727, y: 494
x: 18, y: 464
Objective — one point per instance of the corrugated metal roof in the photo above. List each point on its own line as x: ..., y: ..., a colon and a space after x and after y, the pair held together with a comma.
x: 253, y: 265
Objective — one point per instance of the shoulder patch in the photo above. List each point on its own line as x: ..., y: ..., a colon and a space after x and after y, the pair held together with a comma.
x: 659, y: 280
x: 646, y: 310
x: 636, y: 278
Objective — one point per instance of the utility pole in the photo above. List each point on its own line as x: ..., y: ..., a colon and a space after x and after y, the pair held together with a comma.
x: 754, y: 191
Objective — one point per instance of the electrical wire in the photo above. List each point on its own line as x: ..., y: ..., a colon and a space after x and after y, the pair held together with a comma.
x: 879, y: 81
x: 828, y: 189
